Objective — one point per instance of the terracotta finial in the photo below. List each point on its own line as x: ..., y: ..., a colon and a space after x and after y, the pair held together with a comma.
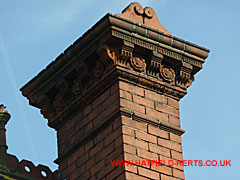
x: 145, y: 16
x: 4, y: 114
x: 4, y: 117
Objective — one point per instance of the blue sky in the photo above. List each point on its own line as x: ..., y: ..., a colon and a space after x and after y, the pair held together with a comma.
x: 33, y: 33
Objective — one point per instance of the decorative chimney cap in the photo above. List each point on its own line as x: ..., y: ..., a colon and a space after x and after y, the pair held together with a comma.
x: 147, y: 16
x: 4, y: 114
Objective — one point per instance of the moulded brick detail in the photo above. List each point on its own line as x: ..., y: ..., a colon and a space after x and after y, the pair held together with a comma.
x: 129, y: 84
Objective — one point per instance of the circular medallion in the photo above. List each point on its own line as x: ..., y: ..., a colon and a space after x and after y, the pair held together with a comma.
x: 138, y: 63
x: 167, y: 74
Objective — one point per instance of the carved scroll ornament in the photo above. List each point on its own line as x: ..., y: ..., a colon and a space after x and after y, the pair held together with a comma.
x: 146, y: 16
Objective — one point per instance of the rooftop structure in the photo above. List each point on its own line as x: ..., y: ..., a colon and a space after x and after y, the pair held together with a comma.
x: 114, y: 95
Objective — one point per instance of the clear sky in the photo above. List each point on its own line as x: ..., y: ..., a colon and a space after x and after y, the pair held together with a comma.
x: 35, y: 32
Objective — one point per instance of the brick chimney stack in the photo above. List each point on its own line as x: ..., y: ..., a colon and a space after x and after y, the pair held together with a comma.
x: 114, y: 95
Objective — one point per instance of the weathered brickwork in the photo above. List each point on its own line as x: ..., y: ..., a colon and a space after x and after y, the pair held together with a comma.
x: 99, y: 144
x: 143, y: 141
x: 123, y: 138
x: 114, y: 95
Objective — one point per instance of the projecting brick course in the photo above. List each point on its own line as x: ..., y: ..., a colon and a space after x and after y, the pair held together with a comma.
x: 114, y: 95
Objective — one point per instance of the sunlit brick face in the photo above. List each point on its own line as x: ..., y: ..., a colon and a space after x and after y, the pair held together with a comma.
x: 124, y: 121
x: 113, y: 98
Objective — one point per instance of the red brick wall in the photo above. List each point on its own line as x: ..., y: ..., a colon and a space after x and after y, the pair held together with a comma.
x: 88, y: 159
x: 107, y: 135
x: 143, y: 141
